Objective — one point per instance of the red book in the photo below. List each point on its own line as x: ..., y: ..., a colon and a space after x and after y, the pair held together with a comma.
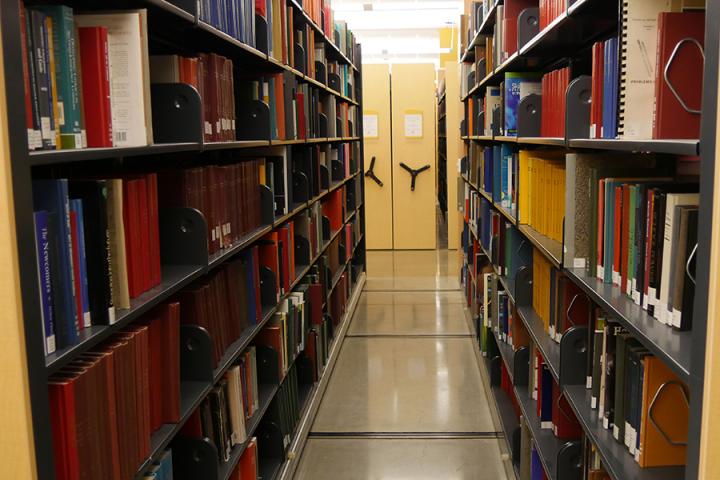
x: 145, y: 241
x: 565, y: 423
x: 62, y: 424
x: 671, y: 119
x: 96, y: 85
x: 271, y: 336
x: 249, y: 462
x: 261, y: 8
x: 77, y: 281
x: 193, y: 426
x: 154, y: 225
x: 617, y: 234
x: 133, y: 234
x: 285, y: 259
x: 268, y: 250
x: 256, y: 283
x: 648, y: 242
x: 513, y: 8
x: 157, y: 365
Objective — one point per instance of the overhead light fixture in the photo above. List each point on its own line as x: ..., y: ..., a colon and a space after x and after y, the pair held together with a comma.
x: 368, y: 7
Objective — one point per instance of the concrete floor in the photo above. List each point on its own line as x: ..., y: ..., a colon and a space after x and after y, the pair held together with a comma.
x: 406, y: 399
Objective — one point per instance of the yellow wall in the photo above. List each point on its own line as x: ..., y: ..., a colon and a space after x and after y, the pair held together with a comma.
x: 16, y: 440
x: 378, y: 200
x: 413, y: 90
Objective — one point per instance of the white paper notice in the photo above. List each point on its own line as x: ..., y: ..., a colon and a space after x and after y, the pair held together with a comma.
x: 370, y: 125
x: 413, y: 125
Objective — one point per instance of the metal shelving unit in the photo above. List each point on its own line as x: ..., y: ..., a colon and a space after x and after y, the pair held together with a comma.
x: 585, y: 22
x: 170, y: 23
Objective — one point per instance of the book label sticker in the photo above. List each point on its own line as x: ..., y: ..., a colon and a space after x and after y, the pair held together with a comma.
x: 413, y: 124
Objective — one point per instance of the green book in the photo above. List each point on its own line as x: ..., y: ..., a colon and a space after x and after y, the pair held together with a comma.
x: 631, y: 240
x: 66, y: 75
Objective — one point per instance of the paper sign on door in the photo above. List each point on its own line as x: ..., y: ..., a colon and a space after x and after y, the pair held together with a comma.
x: 370, y: 125
x: 413, y: 124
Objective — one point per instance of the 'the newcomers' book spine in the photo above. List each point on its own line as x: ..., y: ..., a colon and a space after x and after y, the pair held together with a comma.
x: 42, y: 245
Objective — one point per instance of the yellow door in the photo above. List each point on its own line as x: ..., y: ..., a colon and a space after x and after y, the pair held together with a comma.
x: 378, y: 199
x: 413, y: 144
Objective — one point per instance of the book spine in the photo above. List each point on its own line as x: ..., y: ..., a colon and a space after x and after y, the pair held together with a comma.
x: 32, y: 120
x: 52, y: 84
x: 42, y: 90
x: 42, y: 245
x: 77, y: 208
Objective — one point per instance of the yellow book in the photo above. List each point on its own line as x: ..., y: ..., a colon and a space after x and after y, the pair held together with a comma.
x: 523, y: 185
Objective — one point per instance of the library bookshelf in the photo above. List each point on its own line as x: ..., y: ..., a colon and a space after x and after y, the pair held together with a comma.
x: 328, y: 196
x: 516, y: 280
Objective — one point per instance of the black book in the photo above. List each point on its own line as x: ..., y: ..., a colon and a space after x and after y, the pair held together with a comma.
x: 93, y: 194
x: 688, y: 297
x: 656, y: 252
x: 37, y: 44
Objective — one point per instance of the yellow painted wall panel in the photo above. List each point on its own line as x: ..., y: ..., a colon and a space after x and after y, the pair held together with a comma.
x: 17, y: 455
x: 378, y: 200
x: 413, y: 94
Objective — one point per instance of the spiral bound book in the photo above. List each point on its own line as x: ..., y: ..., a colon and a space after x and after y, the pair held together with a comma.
x: 638, y: 47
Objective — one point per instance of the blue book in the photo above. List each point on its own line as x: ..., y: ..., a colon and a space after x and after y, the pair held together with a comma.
x: 517, y: 87
x: 507, y: 178
x: 52, y: 196
x: 546, y: 400
x: 42, y: 245
x: 76, y: 206
x: 536, y: 468
x: 606, y: 91
x: 166, y: 465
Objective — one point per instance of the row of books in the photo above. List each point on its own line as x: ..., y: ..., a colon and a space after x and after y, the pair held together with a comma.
x: 626, y: 380
x: 105, y: 405
x: 98, y: 246
x: 658, y: 100
x: 557, y: 300
x: 636, y: 228
x: 227, y: 301
x: 541, y: 192
x: 553, y: 88
x: 68, y: 61
x: 549, y: 10
x: 234, y: 17
x: 212, y: 76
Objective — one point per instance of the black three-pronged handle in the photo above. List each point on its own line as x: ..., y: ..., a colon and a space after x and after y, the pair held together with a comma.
x: 414, y: 173
x: 371, y: 173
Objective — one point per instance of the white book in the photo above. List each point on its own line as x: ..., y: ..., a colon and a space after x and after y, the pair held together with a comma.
x: 237, y: 410
x: 671, y: 201
x: 638, y: 51
x: 129, y: 74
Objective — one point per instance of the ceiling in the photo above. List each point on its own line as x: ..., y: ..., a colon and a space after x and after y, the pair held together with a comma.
x: 399, y: 31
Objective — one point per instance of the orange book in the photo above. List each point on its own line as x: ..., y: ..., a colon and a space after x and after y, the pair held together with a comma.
x: 280, y: 105
x: 670, y: 414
